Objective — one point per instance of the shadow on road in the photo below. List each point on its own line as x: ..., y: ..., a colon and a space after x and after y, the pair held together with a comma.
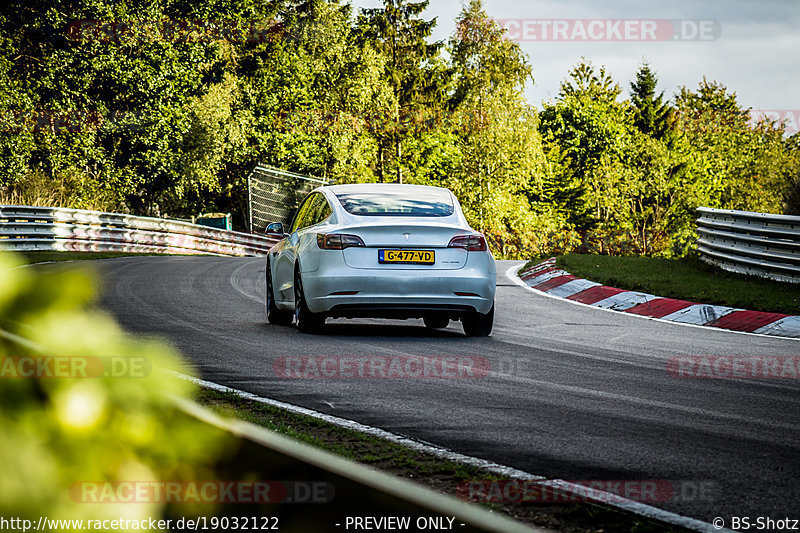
x: 353, y: 328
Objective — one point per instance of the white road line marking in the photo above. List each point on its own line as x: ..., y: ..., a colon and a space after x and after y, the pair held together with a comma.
x: 605, y: 498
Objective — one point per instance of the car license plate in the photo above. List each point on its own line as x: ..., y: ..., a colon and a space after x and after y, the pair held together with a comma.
x: 411, y: 257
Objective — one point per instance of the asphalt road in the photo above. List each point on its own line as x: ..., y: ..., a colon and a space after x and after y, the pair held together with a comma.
x: 576, y: 393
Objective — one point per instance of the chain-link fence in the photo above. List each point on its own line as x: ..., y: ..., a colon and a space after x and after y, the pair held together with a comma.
x: 274, y: 195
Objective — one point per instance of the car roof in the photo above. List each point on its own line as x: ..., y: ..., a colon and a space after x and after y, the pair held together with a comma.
x: 378, y: 187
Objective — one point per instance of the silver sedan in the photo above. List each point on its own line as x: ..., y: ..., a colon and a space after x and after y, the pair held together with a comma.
x: 381, y: 251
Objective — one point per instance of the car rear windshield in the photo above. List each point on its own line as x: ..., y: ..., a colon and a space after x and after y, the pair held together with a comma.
x: 432, y: 203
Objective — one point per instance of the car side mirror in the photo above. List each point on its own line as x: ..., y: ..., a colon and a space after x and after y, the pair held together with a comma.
x: 275, y: 229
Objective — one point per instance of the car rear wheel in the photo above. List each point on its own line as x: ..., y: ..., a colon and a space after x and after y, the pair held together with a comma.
x: 275, y: 315
x: 436, y: 320
x: 307, y: 322
x: 478, y: 324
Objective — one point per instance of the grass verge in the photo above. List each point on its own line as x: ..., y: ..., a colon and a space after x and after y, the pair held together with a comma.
x: 685, y: 279
x: 437, y: 474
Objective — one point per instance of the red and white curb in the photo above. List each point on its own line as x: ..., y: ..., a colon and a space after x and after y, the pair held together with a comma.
x: 548, y: 278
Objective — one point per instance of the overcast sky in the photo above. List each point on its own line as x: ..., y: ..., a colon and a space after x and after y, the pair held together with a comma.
x: 752, y: 47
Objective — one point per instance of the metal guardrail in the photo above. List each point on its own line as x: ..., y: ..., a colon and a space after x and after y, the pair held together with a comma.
x: 750, y: 243
x: 26, y: 228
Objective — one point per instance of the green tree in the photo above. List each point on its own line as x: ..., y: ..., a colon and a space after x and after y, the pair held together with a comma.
x: 319, y: 98
x: 735, y: 165
x: 584, y: 132
x: 585, y: 83
x: 651, y: 114
x: 483, y: 60
x: 412, y: 69
x: 500, y: 152
x: 616, y: 184
x: 791, y: 196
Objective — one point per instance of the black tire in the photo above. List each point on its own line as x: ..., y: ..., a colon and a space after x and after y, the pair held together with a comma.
x: 435, y: 320
x: 307, y: 322
x: 477, y: 324
x: 275, y: 315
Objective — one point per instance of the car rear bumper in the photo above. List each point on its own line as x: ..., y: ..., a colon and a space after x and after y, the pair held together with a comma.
x: 339, y: 290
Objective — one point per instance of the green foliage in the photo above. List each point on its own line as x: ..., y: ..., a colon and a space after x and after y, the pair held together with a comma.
x: 398, y: 31
x: 791, y: 196
x: 501, y: 160
x: 651, y: 114
x: 735, y: 165
x: 586, y: 132
x: 76, y: 189
x: 160, y: 121
x: 411, y: 69
x: 59, y: 432
x: 629, y: 175
x: 586, y: 83
x: 484, y: 61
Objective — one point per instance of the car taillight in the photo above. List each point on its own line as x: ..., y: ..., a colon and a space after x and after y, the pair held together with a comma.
x: 338, y: 241
x: 471, y: 243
